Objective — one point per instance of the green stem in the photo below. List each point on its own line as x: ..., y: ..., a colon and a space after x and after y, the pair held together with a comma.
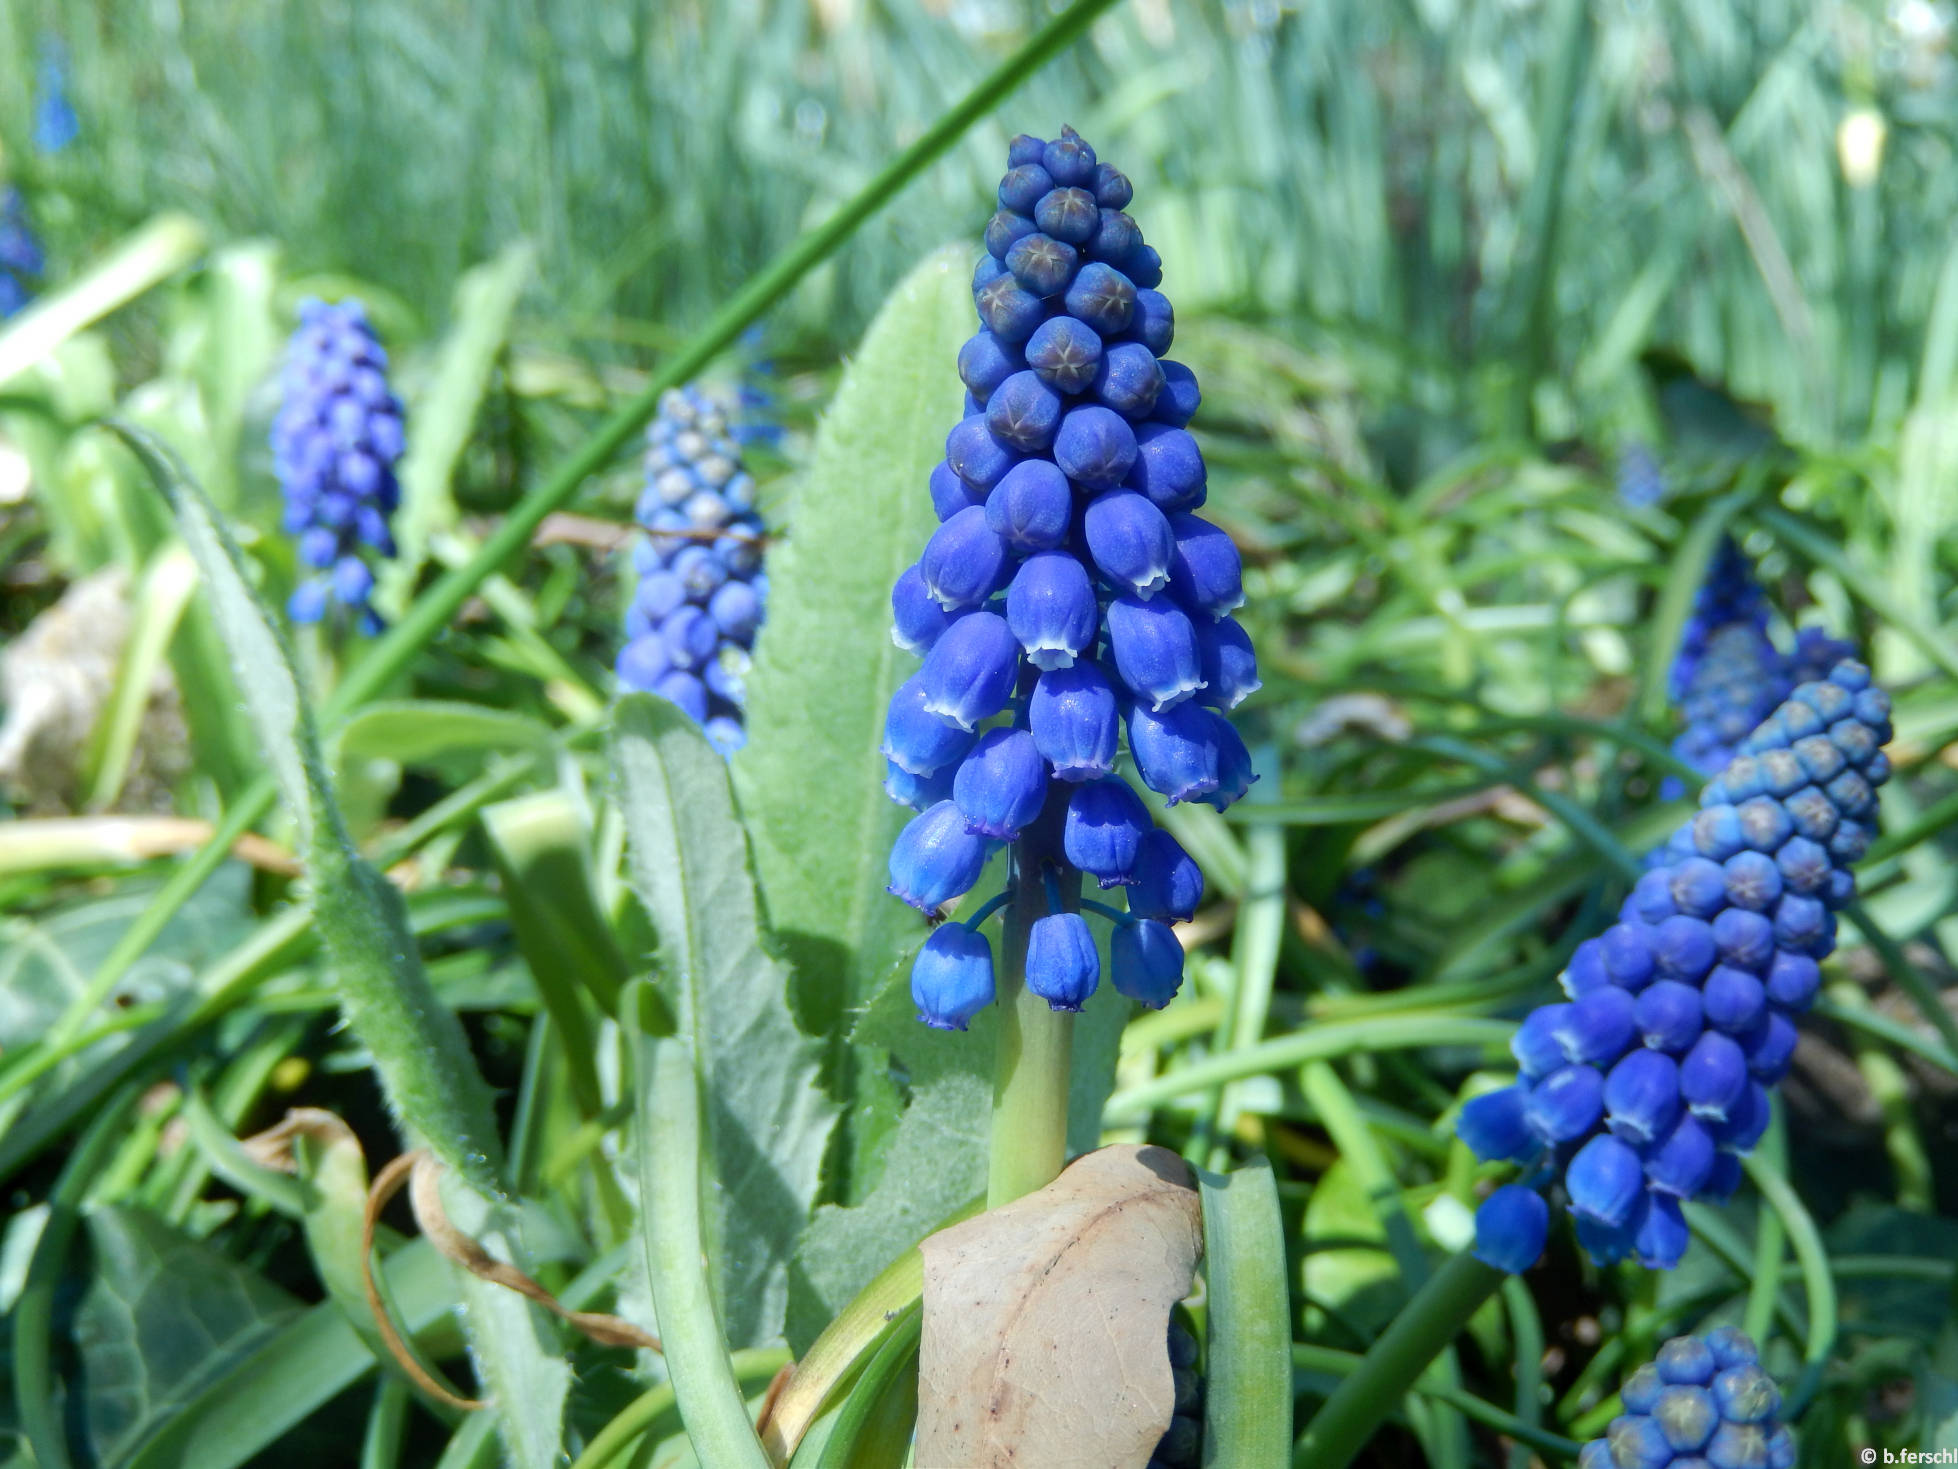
x: 1395, y: 1362
x: 610, y: 1445
x: 1036, y: 1045
x: 436, y: 608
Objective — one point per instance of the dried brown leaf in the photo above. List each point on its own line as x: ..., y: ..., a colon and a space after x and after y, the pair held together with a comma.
x: 1046, y: 1321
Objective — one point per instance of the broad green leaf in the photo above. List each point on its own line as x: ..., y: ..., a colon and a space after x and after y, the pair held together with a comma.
x: 417, y: 1043
x: 162, y: 1318
x: 767, y: 1121
x: 421, y: 731
x: 1349, y: 1272
x: 825, y: 666
x: 1248, y: 1377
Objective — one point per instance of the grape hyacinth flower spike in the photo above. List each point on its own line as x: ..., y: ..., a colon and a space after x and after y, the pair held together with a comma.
x: 1703, y: 1402
x: 1646, y: 1086
x: 21, y: 261
x: 1069, y: 593
x: 702, y: 592
x: 335, y: 443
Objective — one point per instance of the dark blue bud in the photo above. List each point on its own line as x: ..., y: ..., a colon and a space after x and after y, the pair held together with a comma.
x: 1068, y: 214
x: 308, y: 601
x: 1511, y: 1228
x: 1025, y: 148
x: 969, y: 672
x: 1206, y: 574
x: 1637, y: 1443
x: 1168, y: 467
x: 1005, y: 229
x: 641, y: 662
x: 1112, y: 187
x: 950, y: 494
x: 1699, y: 887
x: 1537, y: 1045
x: 1566, y: 1104
x: 1793, y: 980
x: 1660, y: 1241
x: 1235, y: 774
x: 684, y: 690
x: 1146, y: 267
x: 1669, y: 1016
x: 1628, y: 954
x: 1852, y: 795
x: 1155, y: 650
x: 1822, y: 760
x: 1596, y: 1027
x: 952, y: 977
x: 916, y: 617
x: 1746, y: 1394
x: 1102, y: 297
x: 1130, y: 541
x: 1145, y: 962
x: 1042, y: 264
x: 1023, y: 187
x: 1175, y: 750
x: 700, y: 571
x: 1753, y: 881
x: 1781, y: 1448
x: 987, y: 270
x: 1650, y: 898
x: 985, y: 362
x: 1586, y: 971
x: 1051, y: 609
x: 1800, y: 923
x: 1180, y: 397
x: 1764, y: 823
x: 1732, y: 1347
x: 1640, y: 1391
x: 1686, y: 1361
x: 1024, y: 413
x: 917, y: 791
x: 1116, y: 238
x: 1062, y: 965
x: 725, y: 733
x: 690, y: 637
x: 1849, y: 842
x: 1781, y: 772
x: 1682, y: 947
x: 1494, y: 1127
x: 1770, y: 1048
x: 975, y: 455
x: 916, y: 740
x: 1853, y: 741
x: 1030, y: 508
x: 1605, y: 1179
x: 1154, y: 321
x: 1721, y: 1180
x: 1103, y: 833
x: 736, y: 611
x: 1128, y: 380
x: 1738, y: 1446
x: 1747, y: 1118
x: 1811, y: 813
x: 935, y: 858
x: 1009, y: 309
x: 1680, y: 1162
x: 1095, y: 447
x: 1713, y: 1077
x: 1074, y: 721
x: 1069, y: 159
x: 1001, y: 784
x: 1717, y: 834
x: 1743, y: 939
x: 1066, y: 353
x: 1167, y: 884
x: 1227, y: 662
x: 1607, y: 1246
x: 1641, y: 1096
x: 1734, y: 1000
x: 965, y: 560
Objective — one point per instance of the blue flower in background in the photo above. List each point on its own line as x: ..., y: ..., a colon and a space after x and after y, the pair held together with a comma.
x: 702, y: 592
x: 55, y: 123
x: 21, y: 261
x: 1641, y: 482
x: 335, y: 443
x: 1703, y: 1401
x: 1069, y: 594
x: 1645, y: 1088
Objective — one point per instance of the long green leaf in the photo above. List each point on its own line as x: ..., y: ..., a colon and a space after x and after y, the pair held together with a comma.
x: 1248, y: 1376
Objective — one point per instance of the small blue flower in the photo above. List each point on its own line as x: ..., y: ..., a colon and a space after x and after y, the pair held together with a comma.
x: 1103, y: 835
x: 952, y: 977
x: 1176, y: 751
x: 1605, y: 1179
x: 1128, y: 380
x: 1024, y: 413
x: 1030, y: 508
x: 1062, y: 965
x: 965, y: 561
x: 1641, y: 1096
x: 1168, y: 468
x: 1145, y: 962
x: 985, y: 362
x: 1155, y: 650
x: 1168, y: 884
x: 936, y: 858
x: 1227, y: 662
x: 1066, y: 353
x: 917, y: 740
x: 1567, y: 1104
x: 1130, y: 541
x: 970, y: 670
x: 1511, y: 1228
x: 1494, y: 1126
x: 1074, y: 721
x: 1001, y: 784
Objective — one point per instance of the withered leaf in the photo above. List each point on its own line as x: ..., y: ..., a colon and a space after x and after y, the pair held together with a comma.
x: 1046, y: 1321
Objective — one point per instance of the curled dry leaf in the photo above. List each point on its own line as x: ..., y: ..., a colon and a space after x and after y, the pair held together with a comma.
x: 1046, y: 1321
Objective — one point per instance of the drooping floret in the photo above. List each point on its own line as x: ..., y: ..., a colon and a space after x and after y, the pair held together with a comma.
x: 335, y: 443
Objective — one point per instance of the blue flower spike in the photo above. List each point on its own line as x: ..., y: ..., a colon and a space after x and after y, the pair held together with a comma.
x: 1702, y: 1401
x: 335, y: 442
x: 1647, y: 1086
x: 702, y: 594
x: 1069, y: 593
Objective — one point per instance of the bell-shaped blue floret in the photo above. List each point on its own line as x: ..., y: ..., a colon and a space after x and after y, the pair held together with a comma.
x: 1102, y: 297
x: 1605, y: 1180
x: 1001, y: 784
x: 682, y: 688
x: 1177, y: 403
x: 965, y: 561
x: 916, y: 617
x: 1626, y: 949
x: 641, y: 662
x: 1029, y: 510
x: 1235, y: 774
x: 1566, y: 1104
x: 917, y: 791
x: 1227, y: 662
x: 1793, y: 980
x: 975, y: 455
x: 1682, y: 948
x: 1735, y: 1000
x: 1713, y: 1077
x: 1747, y: 1118
x: 1128, y: 380
x: 1586, y: 971
x: 1066, y: 353
x: 1074, y: 721
x: 1023, y: 413
x: 969, y: 672
x: 1145, y: 962
x: 1051, y: 609
x: 935, y: 858
x: 736, y: 611
x: 1104, y: 829
x: 1661, y: 1238
x: 1681, y: 1161
x: 952, y: 977
x: 1641, y: 1096
x: 1168, y: 468
x: 1176, y: 750
x: 690, y: 637
x: 1669, y: 1016
x: 1130, y: 541
x: 1155, y: 650
x: 1511, y: 1228
x: 1206, y: 574
x: 1802, y: 924
x: 1537, y: 1045
x: 1745, y: 1394
x: 1062, y: 965
x: 1167, y: 883
x: 1095, y: 446
x: 1597, y: 1027
x: 950, y: 494
x: 1494, y: 1127
x: 917, y: 740
x: 1743, y: 940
